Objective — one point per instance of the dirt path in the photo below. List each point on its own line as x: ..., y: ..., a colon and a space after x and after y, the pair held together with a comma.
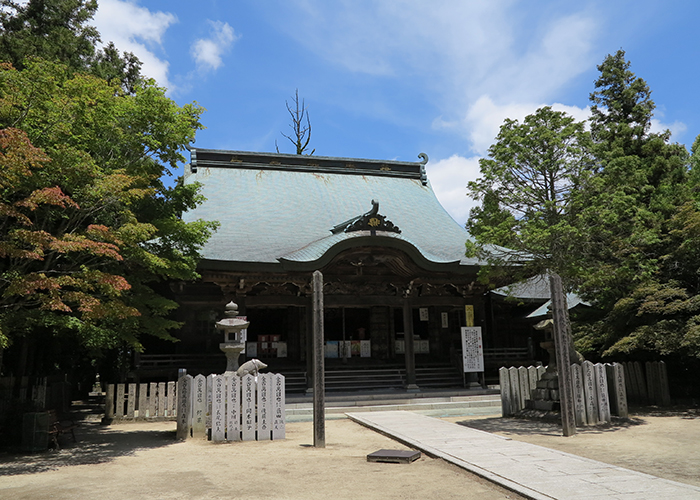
x: 142, y: 460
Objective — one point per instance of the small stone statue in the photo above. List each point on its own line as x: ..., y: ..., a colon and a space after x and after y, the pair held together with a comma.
x: 253, y: 367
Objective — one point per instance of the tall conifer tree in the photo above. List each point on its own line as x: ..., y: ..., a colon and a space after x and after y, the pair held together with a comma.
x: 627, y: 212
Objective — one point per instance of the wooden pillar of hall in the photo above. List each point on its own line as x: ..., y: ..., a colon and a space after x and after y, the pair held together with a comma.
x: 409, y: 350
x: 309, y: 344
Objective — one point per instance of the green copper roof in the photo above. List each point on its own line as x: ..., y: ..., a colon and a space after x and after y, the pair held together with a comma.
x: 277, y: 208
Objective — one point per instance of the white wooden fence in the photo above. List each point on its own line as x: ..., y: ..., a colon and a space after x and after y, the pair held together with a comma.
x: 599, y: 390
x: 219, y: 407
x: 517, y: 384
x: 231, y: 408
x: 140, y: 401
x: 647, y: 384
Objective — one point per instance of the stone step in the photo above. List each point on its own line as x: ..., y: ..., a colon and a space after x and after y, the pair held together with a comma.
x: 361, y: 378
x: 437, y: 406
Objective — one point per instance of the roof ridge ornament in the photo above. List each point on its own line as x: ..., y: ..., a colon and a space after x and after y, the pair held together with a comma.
x: 371, y: 221
x: 423, y: 173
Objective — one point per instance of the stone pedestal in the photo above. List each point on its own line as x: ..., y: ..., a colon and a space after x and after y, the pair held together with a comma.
x: 232, y: 350
x: 545, y: 396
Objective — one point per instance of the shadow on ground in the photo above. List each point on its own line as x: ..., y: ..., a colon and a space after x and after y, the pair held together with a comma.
x: 95, y: 444
x: 522, y: 426
x: 683, y: 411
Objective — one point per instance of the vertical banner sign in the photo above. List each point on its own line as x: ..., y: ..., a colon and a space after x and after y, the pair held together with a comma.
x: 469, y: 315
x: 472, y: 349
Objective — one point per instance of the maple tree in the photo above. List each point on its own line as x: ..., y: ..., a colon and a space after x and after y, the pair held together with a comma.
x: 89, y: 228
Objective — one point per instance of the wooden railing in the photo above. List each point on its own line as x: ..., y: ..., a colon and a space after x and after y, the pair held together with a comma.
x: 506, y: 356
x: 151, y: 361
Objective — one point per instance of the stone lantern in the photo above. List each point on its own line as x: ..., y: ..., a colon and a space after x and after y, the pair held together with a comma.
x: 234, y: 336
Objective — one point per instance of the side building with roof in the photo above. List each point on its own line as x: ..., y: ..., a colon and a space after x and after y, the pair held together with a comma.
x: 392, y: 260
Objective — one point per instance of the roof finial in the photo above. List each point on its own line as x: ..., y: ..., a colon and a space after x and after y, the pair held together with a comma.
x: 423, y: 174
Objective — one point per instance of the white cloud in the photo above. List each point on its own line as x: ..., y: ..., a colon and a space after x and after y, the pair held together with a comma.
x: 467, y: 55
x: 484, y: 118
x: 677, y: 128
x: 207, y: 52
x: 449, y: 178
x: 136, y: 29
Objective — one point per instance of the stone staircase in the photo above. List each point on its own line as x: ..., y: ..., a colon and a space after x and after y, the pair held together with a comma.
x: 434, y: 403
x: 372, y: 377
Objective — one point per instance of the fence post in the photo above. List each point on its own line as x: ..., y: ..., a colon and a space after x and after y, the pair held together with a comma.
x: 524, y: 382
x: 207, y: 415
x: 602, y: 390
x: 504, y: 381
x: 589, y: 390
x: 515, y: 389
x: 233, y: 407
x: 120, y: 401
x: 184, y: 411
x: 264, y: 407
x: 218, y: 417
x: 579, y: 396
x: 152, y: 389
x: 172, y: 400
x: 162, y: 402
x: 641, y: 380
x: 131, y: 402
x: 534, y: 377
x: 248, y: 408
x: 278, y: 407
x: 199, y: 424
x: 143, y: 401
x: 663, y: 378
x: 109, y: 404
x: 621, y: 408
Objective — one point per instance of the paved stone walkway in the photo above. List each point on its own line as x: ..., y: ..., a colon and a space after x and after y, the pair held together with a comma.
x: 530, y: 470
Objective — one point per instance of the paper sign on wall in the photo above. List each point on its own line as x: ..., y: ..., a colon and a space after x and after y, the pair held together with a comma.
x: 472, y: 349
x: 423, y: 311
x: 469, y: 315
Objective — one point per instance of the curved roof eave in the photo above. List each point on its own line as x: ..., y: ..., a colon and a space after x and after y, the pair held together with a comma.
x: 336, y: 244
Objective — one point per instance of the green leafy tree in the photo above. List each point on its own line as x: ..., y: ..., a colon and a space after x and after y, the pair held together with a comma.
x: 526, y: 185
x: 58, y: 30
x: 89, y: 228
x: 640, y: 182
x: 631, y: 210
x: 662, y: 315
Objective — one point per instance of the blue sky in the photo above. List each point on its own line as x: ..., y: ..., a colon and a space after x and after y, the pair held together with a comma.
x: 391, y: 79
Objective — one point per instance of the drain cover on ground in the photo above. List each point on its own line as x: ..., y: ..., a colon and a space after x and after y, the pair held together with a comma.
x: 394, y: 456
